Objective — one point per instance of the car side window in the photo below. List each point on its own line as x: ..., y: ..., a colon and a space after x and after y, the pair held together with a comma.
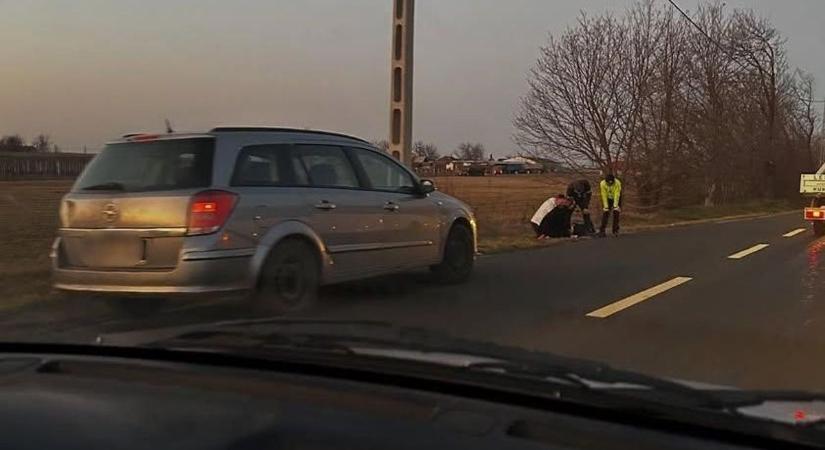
x: 266, y: 165
x: 326, y: 166
x: 383, y: 173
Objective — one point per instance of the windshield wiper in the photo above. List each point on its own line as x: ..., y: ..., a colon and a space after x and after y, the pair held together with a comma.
x: 381, y: 340
x: 108, y: 186
x: 389, y: 342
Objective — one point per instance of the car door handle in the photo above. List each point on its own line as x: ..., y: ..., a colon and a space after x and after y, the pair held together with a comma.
x: 390, y: 206
x: 325, y: 205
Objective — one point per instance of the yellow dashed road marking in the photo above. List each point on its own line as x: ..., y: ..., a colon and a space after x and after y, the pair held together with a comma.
x: 748, y: 251
x: 635, y: 299
x: 794, y: 232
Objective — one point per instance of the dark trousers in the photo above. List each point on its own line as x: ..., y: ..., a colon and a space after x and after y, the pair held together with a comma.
x: 606, y: 217
x: 583, y: 202
x: 555, y: 224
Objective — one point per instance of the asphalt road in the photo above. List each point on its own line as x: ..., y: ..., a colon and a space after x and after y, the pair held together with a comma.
x: 668, y: 302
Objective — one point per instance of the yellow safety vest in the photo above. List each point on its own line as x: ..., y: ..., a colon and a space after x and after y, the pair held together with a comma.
x: 611, y: 192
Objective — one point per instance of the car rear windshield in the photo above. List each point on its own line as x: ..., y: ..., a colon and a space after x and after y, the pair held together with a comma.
x: 165, y: 164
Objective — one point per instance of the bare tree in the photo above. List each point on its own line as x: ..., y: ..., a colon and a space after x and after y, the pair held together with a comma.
x: 12, y: 143
x: 42, y: 143
x: 693, y: 109
x: 383, y: 144
x: 427, y: 151
x: 801, y: 126
x: 470, y: 151
x: 578, y: 107
x: 659, y: 61
x: 759, y: 46
x: 712, y: 92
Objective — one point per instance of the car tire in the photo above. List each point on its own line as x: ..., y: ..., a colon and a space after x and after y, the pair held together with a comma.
x: 135, y: 307
x: 819, y: 229
x: 457, y: 263
x: 289, y: 279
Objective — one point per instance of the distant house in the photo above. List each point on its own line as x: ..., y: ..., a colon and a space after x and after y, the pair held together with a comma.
x: 480, y: 169
x: 424, y: 168
x: 452, y: 166
x: 549, y: 165
x: 444, y: 165
x: 519, y: 165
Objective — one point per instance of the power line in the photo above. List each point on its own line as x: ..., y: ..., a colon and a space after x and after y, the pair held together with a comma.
x: 706, y: 35
x: 716, y: 43
x: 696, y: 25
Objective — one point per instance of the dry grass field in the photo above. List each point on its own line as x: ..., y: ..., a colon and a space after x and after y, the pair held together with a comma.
x: 503, y: 205
x: 28, y: 219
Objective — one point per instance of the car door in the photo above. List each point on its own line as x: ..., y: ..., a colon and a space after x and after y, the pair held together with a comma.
x: 410, y: 220
x: 345, y: 216
x: 271, y: 190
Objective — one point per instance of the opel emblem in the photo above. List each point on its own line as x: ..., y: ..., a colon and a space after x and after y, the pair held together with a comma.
x: 110, y: 212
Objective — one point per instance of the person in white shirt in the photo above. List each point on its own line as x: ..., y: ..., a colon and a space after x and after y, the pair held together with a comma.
x: 552, y: 219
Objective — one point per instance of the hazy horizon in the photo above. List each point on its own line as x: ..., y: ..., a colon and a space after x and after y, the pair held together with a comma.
x: 87, y: 71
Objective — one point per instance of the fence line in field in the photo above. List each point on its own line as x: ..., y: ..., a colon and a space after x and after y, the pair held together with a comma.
x: 41, y: 166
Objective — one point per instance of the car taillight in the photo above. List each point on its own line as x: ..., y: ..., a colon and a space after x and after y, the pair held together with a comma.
x: 814, y: 214
x: 209, y: 210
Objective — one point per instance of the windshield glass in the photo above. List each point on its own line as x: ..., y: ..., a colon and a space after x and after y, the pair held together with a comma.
x: 632, y: 184
x: 152, y: 165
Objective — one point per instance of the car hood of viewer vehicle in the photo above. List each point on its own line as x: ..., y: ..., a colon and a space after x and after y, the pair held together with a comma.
x: 383, y: 341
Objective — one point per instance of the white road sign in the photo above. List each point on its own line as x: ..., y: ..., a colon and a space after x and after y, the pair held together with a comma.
x: 812, y: 184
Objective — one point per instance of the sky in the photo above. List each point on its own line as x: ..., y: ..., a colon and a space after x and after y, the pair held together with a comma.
x: 87, y: 71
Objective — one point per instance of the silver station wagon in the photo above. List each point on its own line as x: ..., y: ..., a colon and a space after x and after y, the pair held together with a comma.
x: 274, y: 212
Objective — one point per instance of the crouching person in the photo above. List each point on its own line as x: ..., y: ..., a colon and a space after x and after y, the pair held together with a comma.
x: 552, y: 219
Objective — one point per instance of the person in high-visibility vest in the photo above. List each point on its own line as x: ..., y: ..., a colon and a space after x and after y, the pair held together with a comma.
x: 611, y: 191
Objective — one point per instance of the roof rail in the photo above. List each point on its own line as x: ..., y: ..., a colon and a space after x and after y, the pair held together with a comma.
x: 284, y: 130
x: 141, y: 136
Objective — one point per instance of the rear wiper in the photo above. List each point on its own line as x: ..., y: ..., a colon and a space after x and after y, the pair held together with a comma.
x: 108, y: 186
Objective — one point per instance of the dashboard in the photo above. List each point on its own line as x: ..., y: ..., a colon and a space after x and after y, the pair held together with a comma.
x: 81, y: 402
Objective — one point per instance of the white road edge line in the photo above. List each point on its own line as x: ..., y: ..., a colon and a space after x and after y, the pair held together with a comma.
x: 634, y: 299
x: 794, y: 232
x: 747, y: 251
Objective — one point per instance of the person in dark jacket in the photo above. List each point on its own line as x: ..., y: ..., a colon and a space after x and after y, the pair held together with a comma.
x: 580, y: 194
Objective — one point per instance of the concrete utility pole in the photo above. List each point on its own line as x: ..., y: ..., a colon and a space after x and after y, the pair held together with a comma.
x: 401, y: 83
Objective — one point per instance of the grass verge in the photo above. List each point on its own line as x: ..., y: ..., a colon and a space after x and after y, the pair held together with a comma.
x: 520, y: 237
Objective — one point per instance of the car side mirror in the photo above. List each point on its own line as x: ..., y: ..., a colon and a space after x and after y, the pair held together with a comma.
x: 426, y: 186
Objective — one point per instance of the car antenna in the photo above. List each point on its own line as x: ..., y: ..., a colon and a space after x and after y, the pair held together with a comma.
x: 169, y: 129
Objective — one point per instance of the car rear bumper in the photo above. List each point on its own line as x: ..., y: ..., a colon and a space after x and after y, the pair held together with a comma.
x: 196, y: 273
